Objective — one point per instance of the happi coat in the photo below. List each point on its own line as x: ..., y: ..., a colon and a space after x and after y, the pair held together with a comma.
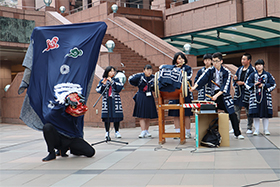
x: 206, y: 89
x: 241, y: 93
x: 189, y: 97
x: 115, y: 106
x: 260, y: 103
x: 225, y: 80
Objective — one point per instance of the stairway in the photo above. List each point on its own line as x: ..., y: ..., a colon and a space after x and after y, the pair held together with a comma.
x: 132, y: 61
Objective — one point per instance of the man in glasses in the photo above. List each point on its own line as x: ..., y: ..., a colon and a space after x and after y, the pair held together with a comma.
x: 219, y: 79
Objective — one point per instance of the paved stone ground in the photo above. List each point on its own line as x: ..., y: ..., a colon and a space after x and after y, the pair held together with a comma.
x: 254, y: 161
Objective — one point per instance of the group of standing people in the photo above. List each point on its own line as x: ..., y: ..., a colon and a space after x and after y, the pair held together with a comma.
x: 252, y: 87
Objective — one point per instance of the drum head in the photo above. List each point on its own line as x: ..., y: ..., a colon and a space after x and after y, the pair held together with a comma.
x: 156, y: 84
x: 184, y: 85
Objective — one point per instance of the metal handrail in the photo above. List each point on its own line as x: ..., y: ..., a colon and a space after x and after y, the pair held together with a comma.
x: 140, y: 38
x: 121, y: 3
x: 17, y: 6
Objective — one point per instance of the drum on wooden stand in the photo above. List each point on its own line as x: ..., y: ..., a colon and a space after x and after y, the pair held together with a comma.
x: 177, y: 94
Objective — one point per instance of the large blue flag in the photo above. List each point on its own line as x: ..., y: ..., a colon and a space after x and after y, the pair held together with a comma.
x: 64, y: 58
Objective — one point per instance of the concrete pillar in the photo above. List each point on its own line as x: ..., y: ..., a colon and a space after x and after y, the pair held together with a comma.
x: 85, y: 4
x: 5, y: 78
x: 146, y: 4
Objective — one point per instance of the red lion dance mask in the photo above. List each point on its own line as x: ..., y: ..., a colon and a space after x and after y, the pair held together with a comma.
x: 75, y: 104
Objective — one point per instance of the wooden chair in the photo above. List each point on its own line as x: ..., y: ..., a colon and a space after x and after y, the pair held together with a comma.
x: 161, y: 122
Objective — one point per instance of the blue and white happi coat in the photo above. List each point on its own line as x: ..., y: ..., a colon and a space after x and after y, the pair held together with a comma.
x: 241, y: 93
x: 171, y: 76
x: 187, y: 99
x: 116, y: 110
x: 225, y: 79
x: 260, y: 95
x: 205, y: 89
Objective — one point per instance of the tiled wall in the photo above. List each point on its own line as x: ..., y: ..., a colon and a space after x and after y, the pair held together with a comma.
x: 201, y: 15
x: 204, y: 14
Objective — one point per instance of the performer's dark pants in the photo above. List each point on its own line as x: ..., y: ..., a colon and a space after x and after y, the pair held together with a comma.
x: 116, y: 126
x: 77, y: 146
x: 233, y: 117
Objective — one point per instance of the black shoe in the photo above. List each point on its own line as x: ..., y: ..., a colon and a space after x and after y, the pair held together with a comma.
x: 50, y: 157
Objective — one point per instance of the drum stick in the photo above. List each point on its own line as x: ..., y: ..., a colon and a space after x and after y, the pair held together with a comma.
x: 189, y: 84
x: 215, y: 83
x: 209, y: 96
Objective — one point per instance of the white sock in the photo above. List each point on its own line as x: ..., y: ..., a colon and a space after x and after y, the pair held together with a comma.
x: 107, y: 133
x: 188, y: 131
x: 177, y: 130
x: 257, y: 124
x: 265, y: 123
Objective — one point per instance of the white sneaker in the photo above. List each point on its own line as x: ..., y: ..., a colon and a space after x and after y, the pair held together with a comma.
x: 240, y: 137
x: 148, y: 134
x: 188, y: 135
x: 266, y: 132
x: 256, y: 133
x: 118, y: 135
x: 231, y: 131
x: 142, y: 135
x: 106, y: 135
x: 249, y: 131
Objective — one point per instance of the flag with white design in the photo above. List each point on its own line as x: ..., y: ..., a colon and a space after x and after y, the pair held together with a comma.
x: 64, y: 60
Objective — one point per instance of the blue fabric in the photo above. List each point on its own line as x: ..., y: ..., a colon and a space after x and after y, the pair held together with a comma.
x: 241, y: 93
x: 64, y: 60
